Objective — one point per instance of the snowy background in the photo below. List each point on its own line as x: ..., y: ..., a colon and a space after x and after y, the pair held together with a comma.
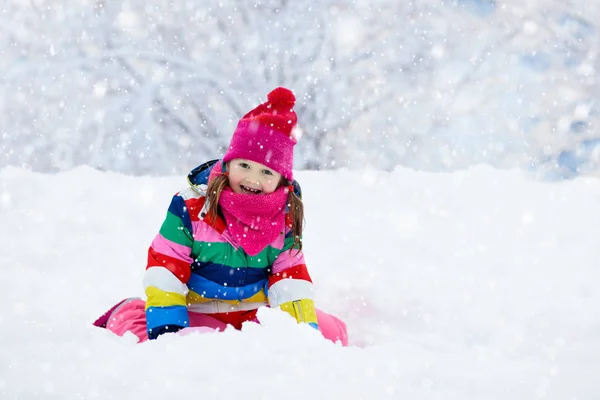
x: 479, y: 284
x: 449, y: 162
x: 153, y: 87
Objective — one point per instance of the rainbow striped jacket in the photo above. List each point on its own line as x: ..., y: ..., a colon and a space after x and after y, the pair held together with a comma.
x: 194, y: 265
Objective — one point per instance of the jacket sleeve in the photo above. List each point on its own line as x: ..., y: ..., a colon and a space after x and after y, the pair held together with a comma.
x: 290, y: 287
x: 168, y: 271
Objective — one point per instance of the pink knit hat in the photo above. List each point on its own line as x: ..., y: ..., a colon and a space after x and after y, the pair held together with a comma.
x: 264, y: 135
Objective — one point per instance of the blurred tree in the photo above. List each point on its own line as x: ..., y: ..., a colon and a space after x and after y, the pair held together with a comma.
x: 157, y: 87
x: 143, y: 88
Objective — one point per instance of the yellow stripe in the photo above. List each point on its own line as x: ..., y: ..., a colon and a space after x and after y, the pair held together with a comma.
x: 259, y: 297
x: 303, y: 310
x: 160, y: 298
x: 194, y: 297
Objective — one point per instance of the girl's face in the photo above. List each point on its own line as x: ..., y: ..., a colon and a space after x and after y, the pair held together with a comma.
x: 250, y: 177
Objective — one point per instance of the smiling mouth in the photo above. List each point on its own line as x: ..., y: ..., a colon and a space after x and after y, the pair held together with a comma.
x: 247, y: 190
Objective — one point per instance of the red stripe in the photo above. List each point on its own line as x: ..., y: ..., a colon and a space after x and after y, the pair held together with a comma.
x: 179, y: 268
x: 219, y: 225
x: 235, y: 318
x: 194, y: 207
x: 296, y: 272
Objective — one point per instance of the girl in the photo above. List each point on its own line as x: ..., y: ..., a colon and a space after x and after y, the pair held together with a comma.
x: 231, y: 242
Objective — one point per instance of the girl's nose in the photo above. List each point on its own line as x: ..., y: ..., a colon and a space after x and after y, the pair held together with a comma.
x: 253, y: 180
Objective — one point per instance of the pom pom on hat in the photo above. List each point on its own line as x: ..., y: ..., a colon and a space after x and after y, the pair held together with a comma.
x: 277, y: 112
x: 281, y: 97
x: 265, y: 134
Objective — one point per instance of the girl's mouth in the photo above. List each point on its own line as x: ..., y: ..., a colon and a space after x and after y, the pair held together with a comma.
x: 247, y: 190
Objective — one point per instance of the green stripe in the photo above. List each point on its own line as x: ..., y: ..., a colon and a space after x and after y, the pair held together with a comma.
x: 289, y: 243
x: 226, y: 254
x: 173, y: 230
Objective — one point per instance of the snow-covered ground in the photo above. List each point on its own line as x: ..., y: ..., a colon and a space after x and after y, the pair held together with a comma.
x: 477, y: 284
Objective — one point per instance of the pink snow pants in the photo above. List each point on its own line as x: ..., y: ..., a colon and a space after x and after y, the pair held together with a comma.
x: 129, y: 315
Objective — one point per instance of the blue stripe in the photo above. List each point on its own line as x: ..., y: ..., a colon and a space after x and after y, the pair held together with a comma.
x: 230, y: 276
x: 179, y: 209
x: 162, y: 316
x: 212, y: 290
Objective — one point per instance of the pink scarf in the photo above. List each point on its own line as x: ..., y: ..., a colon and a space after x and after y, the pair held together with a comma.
x: 254, y: 221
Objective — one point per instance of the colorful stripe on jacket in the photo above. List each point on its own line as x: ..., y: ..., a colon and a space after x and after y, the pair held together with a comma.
x: 193, y: 263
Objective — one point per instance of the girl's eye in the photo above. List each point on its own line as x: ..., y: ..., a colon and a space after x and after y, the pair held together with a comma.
x: 267, y: 172
x: 244, y: 165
